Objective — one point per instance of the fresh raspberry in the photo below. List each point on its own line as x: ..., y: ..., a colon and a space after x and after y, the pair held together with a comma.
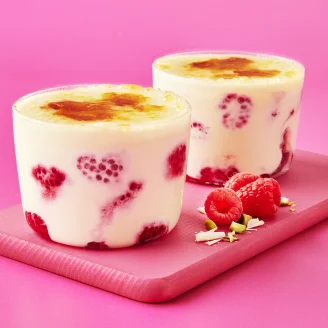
x: 223, y: 206
x: 151, y: 232
x: 260, y: 198
x: 198, y: 130
x: 216, y: 176
x: 236, y: 109
x: 105, y: 171
x: 240, y: 180
x: 276, y: 192
x: 97, y: 245
x: 123, y: 200
x: 176, y: 162
x: 37, y: 224
x: 50, y: 179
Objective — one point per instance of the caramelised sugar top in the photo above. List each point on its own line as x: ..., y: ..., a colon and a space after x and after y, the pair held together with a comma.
x: 228, y: 67
x: 123, y: 104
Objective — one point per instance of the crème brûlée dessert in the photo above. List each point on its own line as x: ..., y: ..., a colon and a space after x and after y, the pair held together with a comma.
x: 102, y: 166
x: 245, y: 111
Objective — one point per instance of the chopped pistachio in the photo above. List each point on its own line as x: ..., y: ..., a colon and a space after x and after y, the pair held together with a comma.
x: 237, y: 227
x: 292, y: 209
x: 209, y: 224
x: 244, y: 219
x: 231, y: 238
x: 291, y: 204
x: 284, y: 201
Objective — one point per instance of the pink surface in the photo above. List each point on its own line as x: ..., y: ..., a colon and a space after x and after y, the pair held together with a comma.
x: 49, y: 43
x: 164, y: 269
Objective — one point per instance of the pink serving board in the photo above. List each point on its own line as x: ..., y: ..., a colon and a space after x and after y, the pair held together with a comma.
x: 171, y: 266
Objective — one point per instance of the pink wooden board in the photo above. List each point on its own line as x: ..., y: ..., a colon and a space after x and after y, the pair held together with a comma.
x: 171, y: 266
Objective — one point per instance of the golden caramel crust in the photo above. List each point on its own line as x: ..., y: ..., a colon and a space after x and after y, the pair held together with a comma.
x: 111, y: 106
x: 123, y: 105
x: 223, y: 66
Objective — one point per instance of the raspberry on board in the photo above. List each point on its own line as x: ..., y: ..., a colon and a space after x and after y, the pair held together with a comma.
x: 240, y: 180
x: 260, y: 198
x: 223, y: 206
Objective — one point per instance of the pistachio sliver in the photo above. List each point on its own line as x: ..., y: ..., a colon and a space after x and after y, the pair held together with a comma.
x: 237, y: 227
x: 244, y: 219
x: 209, y: 224
x: 230, y: 238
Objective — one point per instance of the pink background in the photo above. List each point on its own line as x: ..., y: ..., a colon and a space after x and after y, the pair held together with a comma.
x: 50, y: 43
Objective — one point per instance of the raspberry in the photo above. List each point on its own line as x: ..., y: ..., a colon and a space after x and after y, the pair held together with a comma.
x: 133, y: 191
x: 240, y: 180
x: 122, y: 201
x: 198, y: 130
x: 176, y: 162
x: 151, y: 232
x: 260, y: 198
x: 223, y: 206
x: 276, y: 192
x: 105, y: 171
x: 214, y: 176
x: 97, y: 245
x: 243, y: 179
x: 37, y: 224
x: 50, y: 179
x: 236, y: 109
x: 286, y: 154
